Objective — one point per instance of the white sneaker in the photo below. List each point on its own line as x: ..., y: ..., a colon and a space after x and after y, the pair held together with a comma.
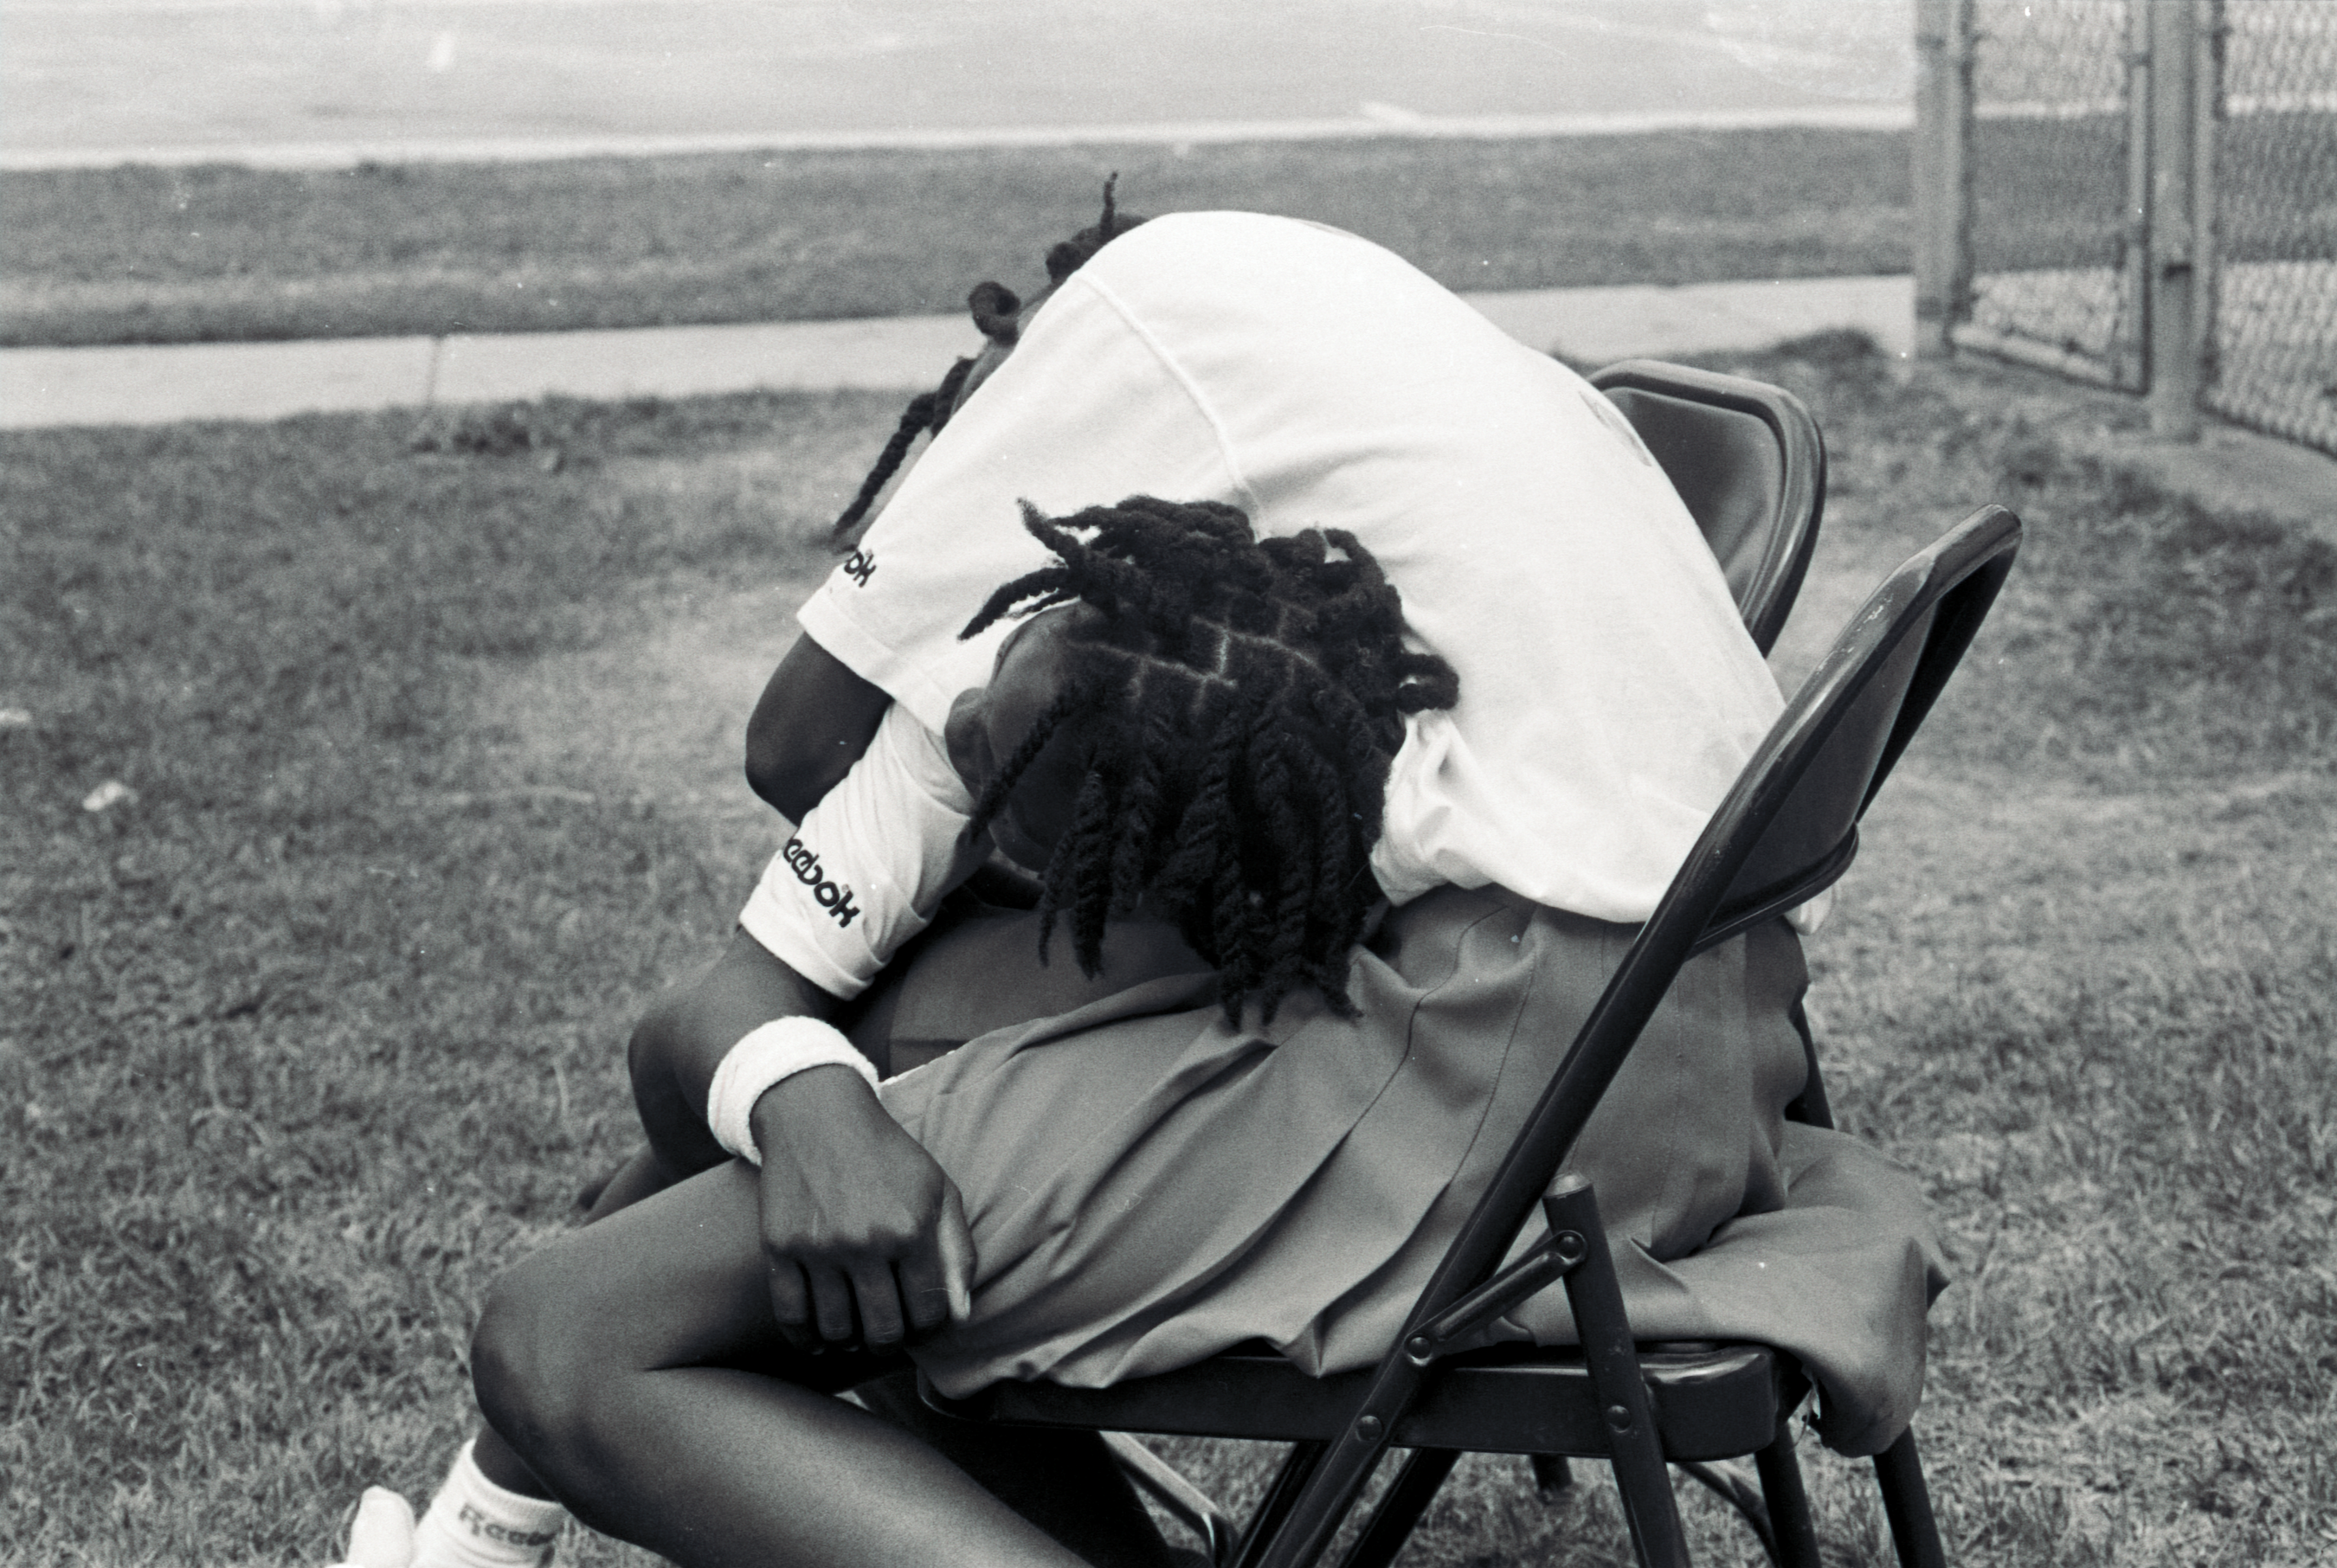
x: 382, y: 1535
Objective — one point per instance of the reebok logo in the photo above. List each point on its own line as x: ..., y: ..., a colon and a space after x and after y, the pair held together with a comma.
x: 835, y: 900
x: 860, y: 566
x: 482, y: 1525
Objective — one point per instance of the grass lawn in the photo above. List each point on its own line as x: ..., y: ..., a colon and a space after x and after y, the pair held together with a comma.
x: 184, y: 254
x: 433, y: 733
x: 218, y: 253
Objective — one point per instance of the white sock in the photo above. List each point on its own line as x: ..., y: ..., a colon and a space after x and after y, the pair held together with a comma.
x: 474, y: 1524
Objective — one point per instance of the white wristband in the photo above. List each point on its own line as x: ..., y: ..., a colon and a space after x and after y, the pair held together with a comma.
x: 763, y: 1056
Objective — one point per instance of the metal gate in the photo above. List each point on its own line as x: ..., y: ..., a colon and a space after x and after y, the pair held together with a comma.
x: 2138, y: 193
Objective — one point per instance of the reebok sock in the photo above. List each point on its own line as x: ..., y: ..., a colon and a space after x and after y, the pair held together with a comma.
x: 474, y: 1524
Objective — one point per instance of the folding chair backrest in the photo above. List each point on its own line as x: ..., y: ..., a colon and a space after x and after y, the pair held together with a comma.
x: 1859, y: 710
x: 1784, y: 832
x: 1747, y: 458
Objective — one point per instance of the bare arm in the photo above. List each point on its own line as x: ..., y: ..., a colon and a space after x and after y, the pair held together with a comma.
x: 683, y: 1040
x: 865, y: 1235
x: 812, y: 723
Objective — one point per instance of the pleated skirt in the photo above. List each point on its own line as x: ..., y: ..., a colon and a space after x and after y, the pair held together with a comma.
x: 1147, y: 1185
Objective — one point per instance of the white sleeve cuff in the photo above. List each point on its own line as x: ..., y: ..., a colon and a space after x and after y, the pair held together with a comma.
x: 766, y: 1055
x: 867, y: 865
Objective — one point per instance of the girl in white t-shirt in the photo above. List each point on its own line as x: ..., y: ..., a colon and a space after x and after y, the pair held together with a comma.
x: 1188, y: 736
x: 1250, y: 1122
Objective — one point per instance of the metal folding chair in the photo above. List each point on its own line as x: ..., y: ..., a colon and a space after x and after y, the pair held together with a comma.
x: 1787, y: 830
x: 1747, y: 458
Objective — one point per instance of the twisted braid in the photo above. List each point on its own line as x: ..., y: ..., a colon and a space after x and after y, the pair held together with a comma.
x: 995, y: 309
x: 1074, y: 253
x: 926, y: 411
x: 1238, y: 703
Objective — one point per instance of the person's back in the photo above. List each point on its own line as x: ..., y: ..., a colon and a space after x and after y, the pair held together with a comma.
x: 1312, y: 379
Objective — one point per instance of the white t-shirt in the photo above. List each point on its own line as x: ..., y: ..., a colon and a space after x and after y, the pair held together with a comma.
x: 1609, y: 690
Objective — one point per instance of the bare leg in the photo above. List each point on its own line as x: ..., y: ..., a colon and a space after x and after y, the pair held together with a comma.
x: 635, y: 1367
x: 642, y: 1176
x: 1066, y: 1483
x: 639, y: 1177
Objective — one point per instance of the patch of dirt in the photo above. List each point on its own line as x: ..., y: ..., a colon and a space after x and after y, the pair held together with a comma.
x: 657, y: 712
x: 658, y: 716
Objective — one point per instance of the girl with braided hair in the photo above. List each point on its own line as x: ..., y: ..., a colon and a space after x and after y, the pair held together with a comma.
x: 1187, y: 737
x: 1346, y: 770
x: 1239, y: 704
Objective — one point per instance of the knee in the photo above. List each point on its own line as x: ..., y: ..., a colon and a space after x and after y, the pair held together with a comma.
x: 531, y: 1365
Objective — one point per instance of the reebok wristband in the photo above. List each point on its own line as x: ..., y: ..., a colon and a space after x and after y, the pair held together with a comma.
x: 765, y: 1055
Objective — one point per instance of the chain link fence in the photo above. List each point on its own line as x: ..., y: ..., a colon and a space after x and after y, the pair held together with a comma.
x: 2057, y: 257
x: 2271, y: 300
x: 2075, y: 192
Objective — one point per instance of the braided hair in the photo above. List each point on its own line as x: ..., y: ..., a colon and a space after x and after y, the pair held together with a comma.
x: 1238, y: 702
x: 996, y: 310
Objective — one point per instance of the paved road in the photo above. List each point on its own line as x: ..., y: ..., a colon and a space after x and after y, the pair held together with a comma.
x: 291, y: 81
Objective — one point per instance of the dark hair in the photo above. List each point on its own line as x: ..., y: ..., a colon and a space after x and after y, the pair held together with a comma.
x: 994, y: 308
x: 1239, y: 701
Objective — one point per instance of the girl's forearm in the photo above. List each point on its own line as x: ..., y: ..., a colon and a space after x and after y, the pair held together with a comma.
x: 747, y: 987
x: 680, y: 1045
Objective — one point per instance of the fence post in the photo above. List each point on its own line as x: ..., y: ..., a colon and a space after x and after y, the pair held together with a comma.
x: 2206, y: 203
x: 1940, y: 171
x: 2174, y: 104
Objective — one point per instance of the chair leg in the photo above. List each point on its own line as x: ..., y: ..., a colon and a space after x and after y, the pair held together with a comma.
x: 1552, y: 1475
x: 1734, y: 1485
x: 1186, y: 1503
x: 1298, y: 1467
x: 1793, y: 1533
x: 1407, y: 1499
x: 1907, y: 1504
x: 1633, y: 1446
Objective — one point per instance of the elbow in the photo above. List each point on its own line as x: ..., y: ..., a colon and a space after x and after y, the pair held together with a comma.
x: 811, y: 723
x: 792, y: 779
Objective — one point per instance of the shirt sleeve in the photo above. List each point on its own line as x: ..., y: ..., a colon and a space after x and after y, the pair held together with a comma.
x: 869, y: 864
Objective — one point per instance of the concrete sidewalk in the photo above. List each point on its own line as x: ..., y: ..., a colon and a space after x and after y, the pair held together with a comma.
x: 46, y: 388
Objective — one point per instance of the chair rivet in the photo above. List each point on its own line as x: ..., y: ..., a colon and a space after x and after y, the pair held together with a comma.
x: 1619, y: 1417
x: 1569, y: 1246
x: 1368, y: 1427
x: 1418, y: 1348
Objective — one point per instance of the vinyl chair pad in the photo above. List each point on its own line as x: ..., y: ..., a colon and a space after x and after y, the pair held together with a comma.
x: 1840, y: 1277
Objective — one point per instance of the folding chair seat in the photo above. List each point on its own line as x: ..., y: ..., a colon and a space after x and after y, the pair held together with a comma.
x: 1749, y: 460
x: 1787, y: 830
